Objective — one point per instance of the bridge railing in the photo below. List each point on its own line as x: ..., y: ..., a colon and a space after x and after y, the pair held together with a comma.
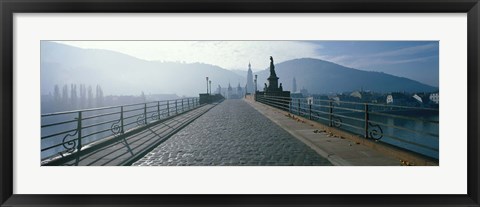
x: 412, y: 128
x: 65, y: 133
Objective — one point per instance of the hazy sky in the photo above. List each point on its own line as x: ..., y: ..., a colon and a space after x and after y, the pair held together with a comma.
x: 417, y: 60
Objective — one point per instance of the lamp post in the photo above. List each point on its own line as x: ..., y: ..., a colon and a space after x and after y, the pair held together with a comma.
x: 255, y: 83
x: 210, y: 82
x: 255, y: 92
x: 207, y: 85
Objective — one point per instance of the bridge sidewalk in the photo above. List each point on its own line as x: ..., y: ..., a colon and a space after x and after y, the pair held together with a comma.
x: 338, y: 150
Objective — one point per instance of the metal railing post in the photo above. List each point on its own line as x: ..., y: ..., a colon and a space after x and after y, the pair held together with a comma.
x: 298, y: 110
x: 145, y: 113
x: 121, y: 120
x: 176, y: 109
x: 158, y: 110
x: 168, y: 108
x: 79, y: 130
x: 330, y: 113
x: 290, y: 106
x: 366, y: 120
x: 287, y: 104
x: 310, y: 112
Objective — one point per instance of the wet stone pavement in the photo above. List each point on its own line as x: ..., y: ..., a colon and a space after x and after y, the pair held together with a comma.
x: 232, y: 133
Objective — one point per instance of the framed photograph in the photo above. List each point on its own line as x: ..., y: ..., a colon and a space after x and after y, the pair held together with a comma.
x: 263, y: 103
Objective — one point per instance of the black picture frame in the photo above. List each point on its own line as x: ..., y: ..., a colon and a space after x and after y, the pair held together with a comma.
x: 10, y: 7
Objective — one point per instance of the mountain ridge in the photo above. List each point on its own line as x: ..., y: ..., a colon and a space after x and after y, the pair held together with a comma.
x: 120, y: 73
x: 321, y: 76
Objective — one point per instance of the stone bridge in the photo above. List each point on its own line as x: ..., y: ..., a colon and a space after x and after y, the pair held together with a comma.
x: 237, y: 132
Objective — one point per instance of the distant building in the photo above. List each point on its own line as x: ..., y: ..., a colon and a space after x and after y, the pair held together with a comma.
x: 418, y: 98
x: 389, y: 99
x: 434, y: 97
x: 336, y: 99
x: 239, y: 91
x: 356, y: 94
x: 401, y: 99
x: 362, y: 97
x: 230, y: 92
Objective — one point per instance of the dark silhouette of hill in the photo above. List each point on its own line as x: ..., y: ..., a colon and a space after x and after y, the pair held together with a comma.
x: 319, y: 76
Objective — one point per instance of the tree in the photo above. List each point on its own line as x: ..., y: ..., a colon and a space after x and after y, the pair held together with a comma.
x: 83, y: 96
x: 64, y: 104
x: 57, y: 97
x: 73, y: 97
x: 90, y: 97
x: 143, y: 97
x: 99, y: 97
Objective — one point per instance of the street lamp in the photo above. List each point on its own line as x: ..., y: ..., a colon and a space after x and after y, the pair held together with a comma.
x: 210, y: 82
x: 207, y: 85
x: 255, y: 93
x: 255, y: 83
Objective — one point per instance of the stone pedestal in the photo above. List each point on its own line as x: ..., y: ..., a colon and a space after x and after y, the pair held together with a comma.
x: 273, y: 83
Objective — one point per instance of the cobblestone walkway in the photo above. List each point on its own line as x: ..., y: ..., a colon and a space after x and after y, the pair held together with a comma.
x: 232, y: 133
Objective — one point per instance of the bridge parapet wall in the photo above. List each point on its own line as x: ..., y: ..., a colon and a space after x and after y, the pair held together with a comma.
x: 206, y: 98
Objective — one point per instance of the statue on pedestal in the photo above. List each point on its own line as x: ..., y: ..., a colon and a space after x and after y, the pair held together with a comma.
x: 272, y: 67
x: 272, y: 79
